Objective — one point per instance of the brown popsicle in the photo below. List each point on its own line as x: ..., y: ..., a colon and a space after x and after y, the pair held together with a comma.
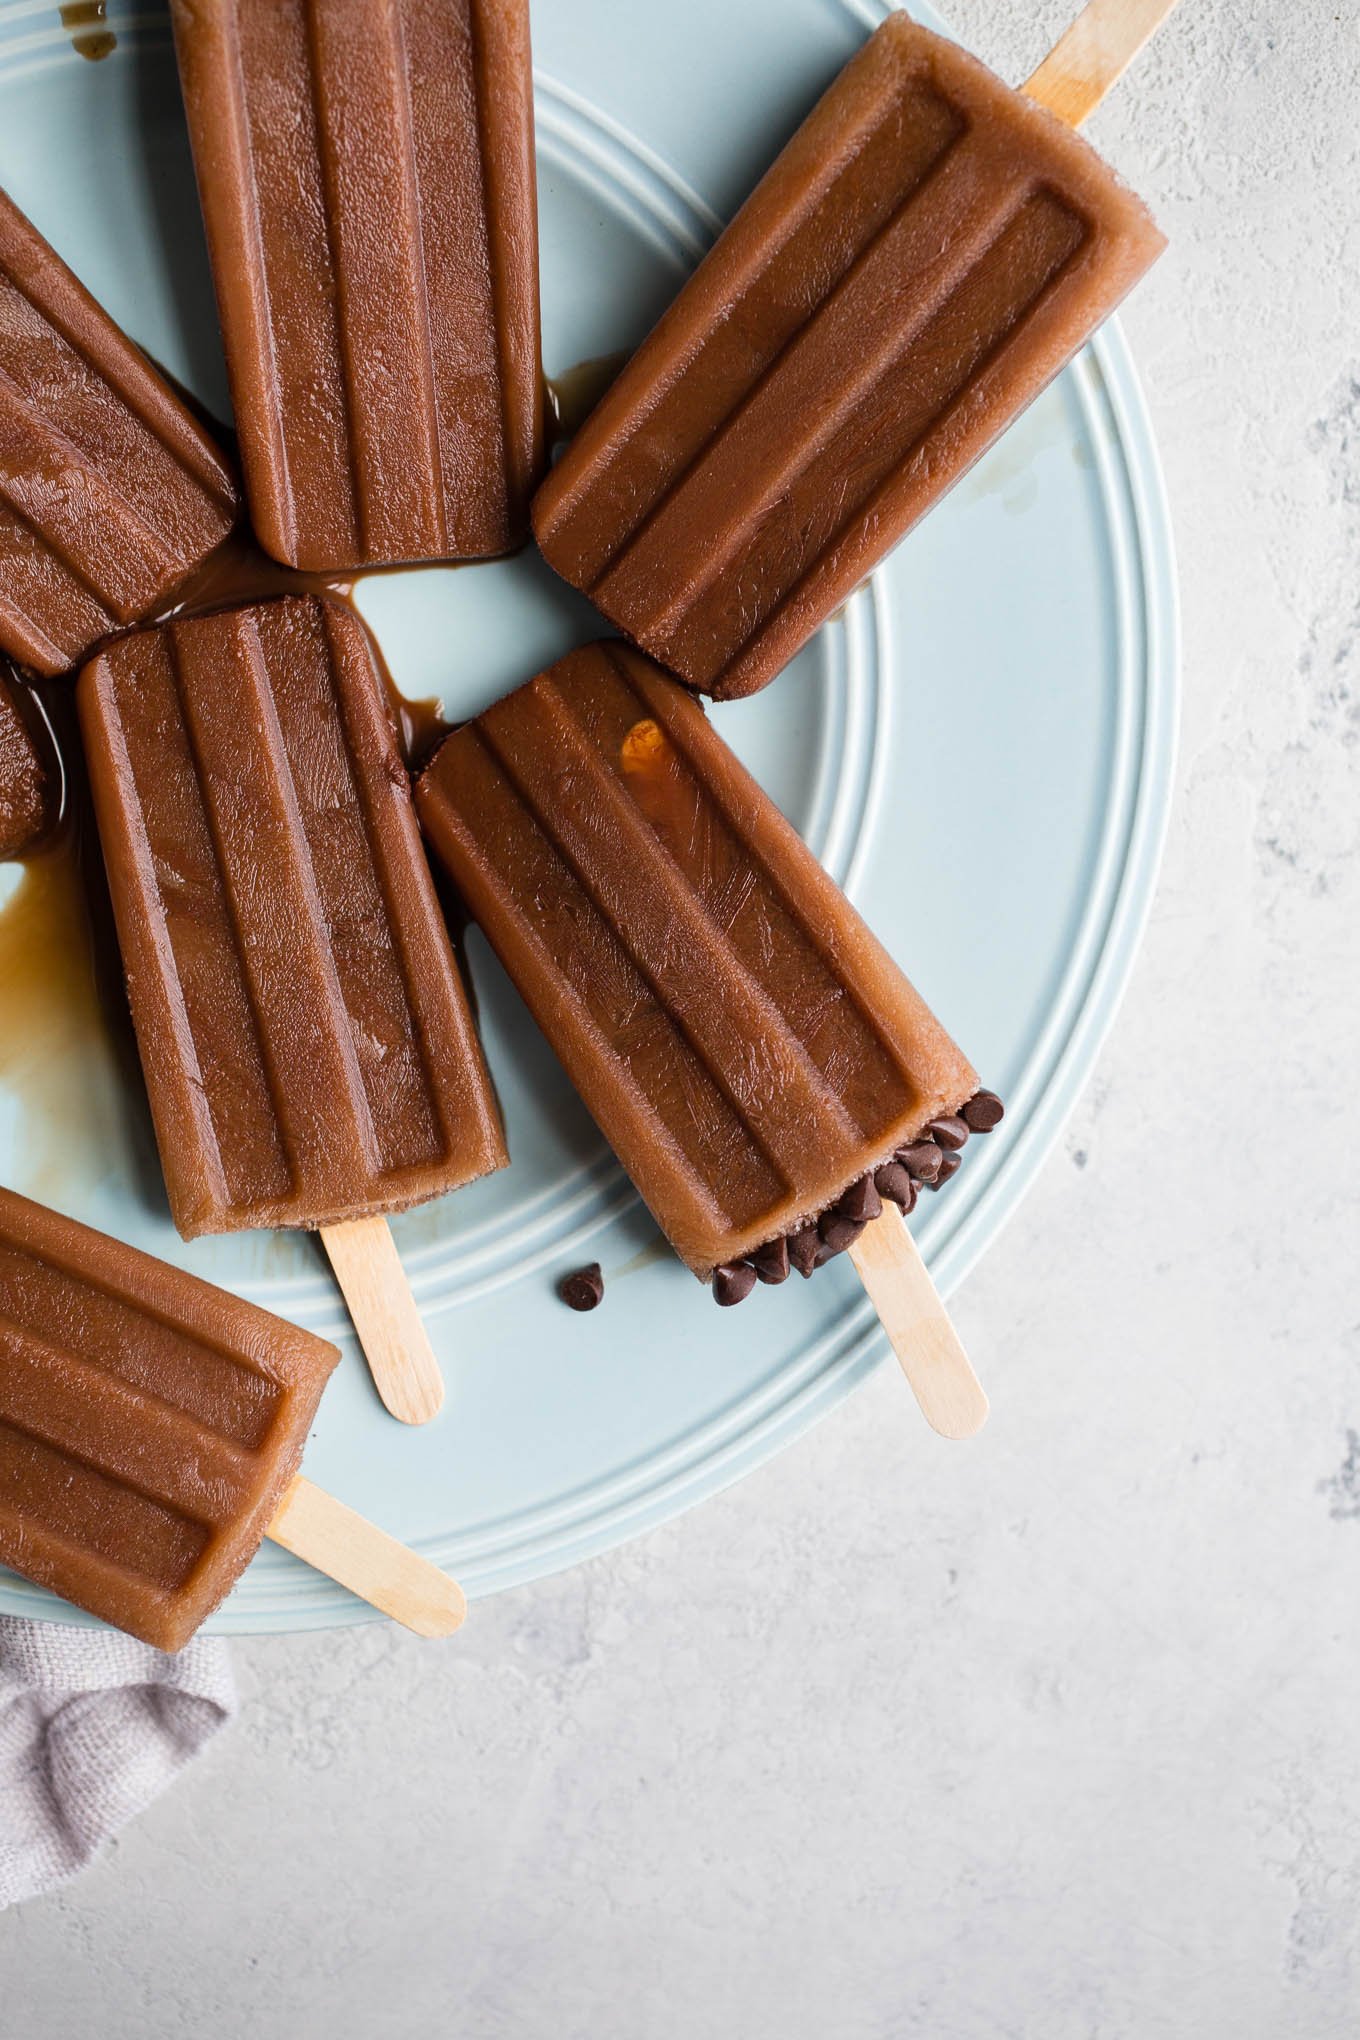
x: 307, y: 1043
x: 23, y: 779
x: 150, y: 1432
x: 366, y: 171
x: 111, y: 492
x: 928, y: 252
x: 748, y: 1048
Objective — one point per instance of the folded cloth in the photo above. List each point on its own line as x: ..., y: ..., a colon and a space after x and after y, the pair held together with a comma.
x: 93, y: 1727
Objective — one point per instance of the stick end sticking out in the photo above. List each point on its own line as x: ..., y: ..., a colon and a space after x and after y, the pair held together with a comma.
x: 380, y: 1570
x: 1093, y: 54
x: 919, y: 1329
x: 960, y: 1414
x: 395, y: 1342
x: 440, y: 1613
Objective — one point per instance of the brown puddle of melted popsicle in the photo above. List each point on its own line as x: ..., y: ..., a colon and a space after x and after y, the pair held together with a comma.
x: 422, y: 723
x: 66, y: 1045
x: 47, y: 976
x: 86, y: 21
x: 238, y: 572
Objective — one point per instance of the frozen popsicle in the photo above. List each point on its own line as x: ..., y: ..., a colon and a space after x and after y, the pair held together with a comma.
x: 927, y: 253
x: 308, y: 1047
x: 111, y: 492
x: 23, y: 779
x: 762, y: 1068
x: 151, y: 1428
x: 366, y: 171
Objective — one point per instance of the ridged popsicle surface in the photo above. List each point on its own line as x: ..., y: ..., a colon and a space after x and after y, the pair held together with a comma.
x: 926, y: 254
x: 149, y: 1424
x: 744, y: 1042
x: 111, y: 492
x: 366, y: 172
x: 306, y: 1038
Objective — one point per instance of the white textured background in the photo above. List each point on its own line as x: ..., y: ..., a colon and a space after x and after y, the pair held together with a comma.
x: 1053, y: 1735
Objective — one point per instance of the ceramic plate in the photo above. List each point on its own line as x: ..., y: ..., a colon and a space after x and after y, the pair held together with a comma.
x: 979, y: 747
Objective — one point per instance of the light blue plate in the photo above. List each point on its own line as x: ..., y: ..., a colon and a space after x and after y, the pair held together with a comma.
x: 980, y: 747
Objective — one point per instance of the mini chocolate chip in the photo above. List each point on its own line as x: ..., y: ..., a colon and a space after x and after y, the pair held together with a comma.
x: 803, y: 1248
x: 983, y: 1111
x: 949, y: 1132
x: 771, y: 1262
x: 893, y: 1182
x: 733, y: 1282
x: 861, y: 1201
x: 583, y: 1289
x: 923, y: 1159
x: 839, y: 1232
x: 948, y: 1164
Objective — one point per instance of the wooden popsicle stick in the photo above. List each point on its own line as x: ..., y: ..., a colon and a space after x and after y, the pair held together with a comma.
x: 931, y: 1353
x: 348, y: 1548
x: 1095, y: 51
x: 396, y: 1344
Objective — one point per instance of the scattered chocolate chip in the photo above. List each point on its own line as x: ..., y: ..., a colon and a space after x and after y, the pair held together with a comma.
x: 983, y: 1111
x: 839, y: 1232
x: 950, y: 1133
x: 771, y: 1262
x: 861, y: 1201
x: 893, y: 1182
x: 733, y: 1282
x: 804, y: 1246
x: 583, y: 1289
x: 923, y: 1159
x: 948, y: 1164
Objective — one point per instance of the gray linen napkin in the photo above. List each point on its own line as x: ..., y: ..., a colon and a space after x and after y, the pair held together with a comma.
x: 93, y: 1727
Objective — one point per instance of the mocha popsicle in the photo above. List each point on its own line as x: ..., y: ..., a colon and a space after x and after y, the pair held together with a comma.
x: 149, y: 1425
x: 366, y: 172
x: 150, y: 1432
x: 763, y: 1070
x: 306, y: 1038
x: 23, y: 779
x: 927, y: 253
x: 111, y: 492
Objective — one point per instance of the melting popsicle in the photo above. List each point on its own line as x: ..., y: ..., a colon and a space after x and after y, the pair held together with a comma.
x: 366, y: 172
x: 927, y: 253
x: 762, y: 1068
x: 308, y: 1048
x: 151, y: 1428
x: 111, y: 492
